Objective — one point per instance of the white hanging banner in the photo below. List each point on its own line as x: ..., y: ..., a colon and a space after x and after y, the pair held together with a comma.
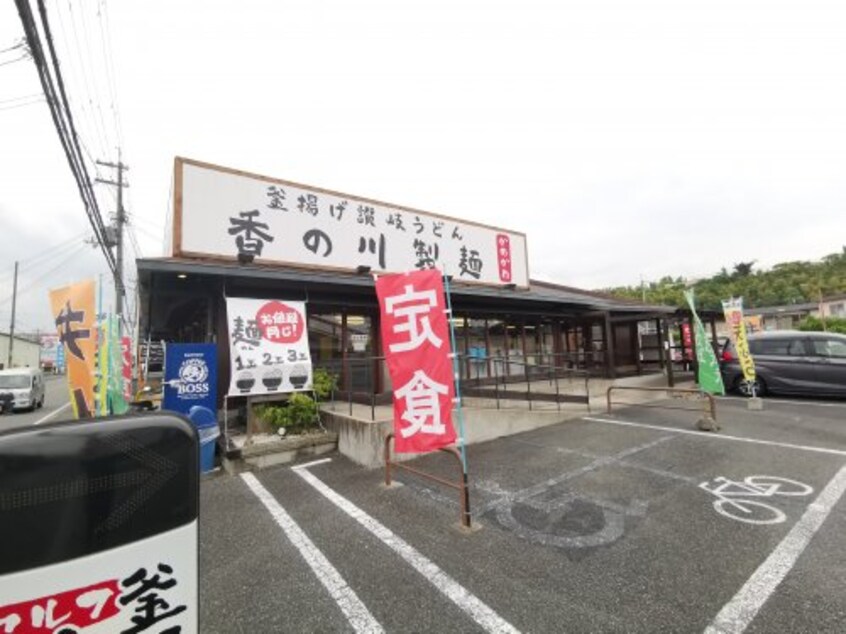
x: 268, y: 346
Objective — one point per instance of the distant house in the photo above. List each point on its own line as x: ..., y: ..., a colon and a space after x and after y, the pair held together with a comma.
x: 834, y: 306
x: 786, y: 317
x: 24, y: 352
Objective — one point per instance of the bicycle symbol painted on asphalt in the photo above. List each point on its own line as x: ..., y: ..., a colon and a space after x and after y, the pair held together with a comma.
x: 563, y: 519
x: 736, y: 499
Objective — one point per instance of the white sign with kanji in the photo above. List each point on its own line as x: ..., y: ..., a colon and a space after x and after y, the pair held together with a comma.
x: 225, y: 213
x: 268, y: 346
x: 146, y: 586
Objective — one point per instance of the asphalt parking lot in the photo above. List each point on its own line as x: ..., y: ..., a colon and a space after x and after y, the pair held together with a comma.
x: 599, y: 524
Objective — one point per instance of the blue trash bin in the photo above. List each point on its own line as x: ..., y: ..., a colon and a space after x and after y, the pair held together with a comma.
x: 206, y: 422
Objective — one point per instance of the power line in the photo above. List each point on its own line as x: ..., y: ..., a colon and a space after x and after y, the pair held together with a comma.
x: 32, y: 284
x: 44, y: 257
x: 19, y: 45
x: 62, y: 117
x: 97, y: 77
x: 24, y: 104
x: 106, y: 32
x: 14, y: 61
x: 77, y: 70
x: 36, y: 95
x: 133, y: 240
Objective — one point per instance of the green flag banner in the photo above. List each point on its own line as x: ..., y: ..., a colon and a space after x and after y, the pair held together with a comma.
x: 115, y: 388
x: 710, y: 379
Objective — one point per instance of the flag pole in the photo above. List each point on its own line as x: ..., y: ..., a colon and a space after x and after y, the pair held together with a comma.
x: 456, y: 375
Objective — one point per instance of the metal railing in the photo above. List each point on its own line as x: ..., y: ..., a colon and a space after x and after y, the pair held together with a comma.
x: 349, y: 373
x: 530, y: 372
x: 357, y: 382
x: 704, y: 396
x: 461, y: 486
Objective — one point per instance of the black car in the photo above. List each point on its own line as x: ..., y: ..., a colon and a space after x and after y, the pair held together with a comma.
x: 790, y: 362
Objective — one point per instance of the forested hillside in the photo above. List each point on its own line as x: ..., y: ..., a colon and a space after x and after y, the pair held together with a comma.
x: 784, y: 283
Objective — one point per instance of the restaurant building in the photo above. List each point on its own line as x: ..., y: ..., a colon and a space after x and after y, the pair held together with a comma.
x: 244, y: 235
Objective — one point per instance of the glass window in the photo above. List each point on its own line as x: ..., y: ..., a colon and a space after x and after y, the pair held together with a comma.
x: 829, y: 348
x: 360, y: 353
x: 499, y: 342
x: 324, y: 338
x: 477, y: 351
x: 777, y: 347
x: 14, y: 381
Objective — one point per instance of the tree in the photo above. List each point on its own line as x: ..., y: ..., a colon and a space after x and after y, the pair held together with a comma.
x: 743, y: 269
x: 786, y: 283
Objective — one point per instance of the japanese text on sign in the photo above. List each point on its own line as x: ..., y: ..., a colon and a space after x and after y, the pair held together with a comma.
x: 417, y: 349
x: 268, y: 346
x: 232, y: 214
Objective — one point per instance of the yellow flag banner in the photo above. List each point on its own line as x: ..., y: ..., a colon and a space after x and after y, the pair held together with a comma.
x: 733, y: 310
x: 75, y: 316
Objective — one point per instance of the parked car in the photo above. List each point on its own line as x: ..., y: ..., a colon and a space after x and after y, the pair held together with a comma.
x: 790, y: 362
x: 22, y: 388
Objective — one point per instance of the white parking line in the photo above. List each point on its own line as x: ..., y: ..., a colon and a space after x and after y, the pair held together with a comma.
x: 712, y: 436
x: 738, y: 613
x: 784, y: 401
x: 356, y: 612
x: 51, y: 414
x: 449, y: 587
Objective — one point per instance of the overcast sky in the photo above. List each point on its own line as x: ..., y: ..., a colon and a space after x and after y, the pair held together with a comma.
x: 626, y: 139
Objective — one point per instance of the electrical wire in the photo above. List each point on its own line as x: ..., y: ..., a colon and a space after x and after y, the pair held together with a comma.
x: 62, y: 117
x: 133, y: 240
x: 85, y: 66
x: 32, y: 284
x: 23, y: 105
x: 15, y: 47
x: 97, y: 78
x: 78, y: 74
x: 14, y: 61
x: 36, y: 95
x: 111, y: 75
x: 45, y: 257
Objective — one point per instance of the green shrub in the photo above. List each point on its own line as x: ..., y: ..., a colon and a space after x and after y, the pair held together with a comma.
x: 298, y: 414
x: 323, y: 383
x: 832, y: 324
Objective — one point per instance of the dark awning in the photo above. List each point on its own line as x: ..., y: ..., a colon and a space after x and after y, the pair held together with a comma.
x: 540, y: 298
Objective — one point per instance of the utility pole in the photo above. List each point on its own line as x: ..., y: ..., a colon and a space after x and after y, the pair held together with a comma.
x: 117, y: 239
x: 14, y: 306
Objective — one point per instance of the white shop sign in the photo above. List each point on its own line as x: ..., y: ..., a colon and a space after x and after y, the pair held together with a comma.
x: 148, y: 584
x: 268, y: 346
x: 220, y: 212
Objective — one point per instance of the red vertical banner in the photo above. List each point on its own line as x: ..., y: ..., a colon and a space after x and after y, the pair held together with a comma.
x: 503, y: 257
x: 687, y: 342
x: 416, y: 342
x: 126, y: 367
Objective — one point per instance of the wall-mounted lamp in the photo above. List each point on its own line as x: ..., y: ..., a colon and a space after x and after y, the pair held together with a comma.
x: 246, y: 258
x: 510, y: 287
x: 362, y: 269
x: 182, y: 276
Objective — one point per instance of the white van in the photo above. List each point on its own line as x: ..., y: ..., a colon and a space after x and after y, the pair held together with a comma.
x: 22, y: 387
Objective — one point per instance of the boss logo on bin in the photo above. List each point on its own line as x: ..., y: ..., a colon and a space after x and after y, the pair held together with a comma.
x: 193, y: 375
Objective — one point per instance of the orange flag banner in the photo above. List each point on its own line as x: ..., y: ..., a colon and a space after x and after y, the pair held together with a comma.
x: 75, y: 316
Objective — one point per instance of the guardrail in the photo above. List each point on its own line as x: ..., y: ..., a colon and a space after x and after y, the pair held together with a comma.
x: 461, y: 485
x: 708, y: 423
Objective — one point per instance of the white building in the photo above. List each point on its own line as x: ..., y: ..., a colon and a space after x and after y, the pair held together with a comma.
x: 25, y: 353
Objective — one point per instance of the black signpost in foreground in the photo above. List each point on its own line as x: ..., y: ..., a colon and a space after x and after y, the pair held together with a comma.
x: 98, y: 524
